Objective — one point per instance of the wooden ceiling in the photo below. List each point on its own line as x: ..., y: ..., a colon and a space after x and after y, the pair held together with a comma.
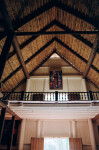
x: 42, y: 27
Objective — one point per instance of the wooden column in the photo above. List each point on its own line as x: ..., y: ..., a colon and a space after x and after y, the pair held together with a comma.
x: 92, y: 136
x: 9, y: 147
x: 21, y: 134
x: 74, y: 129
x: 2, y: 120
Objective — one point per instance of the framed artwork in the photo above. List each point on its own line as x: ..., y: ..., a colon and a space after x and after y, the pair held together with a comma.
x: 56, y: 79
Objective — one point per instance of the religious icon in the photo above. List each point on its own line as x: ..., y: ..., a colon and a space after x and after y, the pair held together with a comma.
x: 56, y: 79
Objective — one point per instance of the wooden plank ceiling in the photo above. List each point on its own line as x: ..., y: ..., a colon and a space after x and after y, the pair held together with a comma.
x: 50, y: 15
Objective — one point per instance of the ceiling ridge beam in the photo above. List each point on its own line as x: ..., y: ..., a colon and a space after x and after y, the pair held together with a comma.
x: 14, y: 41
x: 92, y: 55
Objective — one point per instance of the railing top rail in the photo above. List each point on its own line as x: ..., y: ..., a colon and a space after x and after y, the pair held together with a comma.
x: 52, y: 92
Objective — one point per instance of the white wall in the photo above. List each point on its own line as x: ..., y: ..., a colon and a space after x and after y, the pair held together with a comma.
x: 70, y: 84
x: 56, y: 128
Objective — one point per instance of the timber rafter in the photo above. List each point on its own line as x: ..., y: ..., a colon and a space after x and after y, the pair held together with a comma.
x: 92, y: 56
x: 15, y: 43
x: 41, y: 49
x: 57, y: 23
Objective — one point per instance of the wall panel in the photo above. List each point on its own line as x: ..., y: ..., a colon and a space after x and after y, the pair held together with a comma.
x: 70, y: 84
x: 30, y: 131
x: 56, y: 128
x: 82, y: 131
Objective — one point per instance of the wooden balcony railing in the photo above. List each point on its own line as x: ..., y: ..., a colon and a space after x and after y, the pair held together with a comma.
x: 51, y: 96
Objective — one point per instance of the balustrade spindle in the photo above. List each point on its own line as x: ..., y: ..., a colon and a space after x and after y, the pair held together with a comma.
x: 62, y: 96
x: 50, y: 96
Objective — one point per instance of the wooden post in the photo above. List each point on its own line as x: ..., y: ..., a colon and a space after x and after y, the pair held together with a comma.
x: 90, y: 95
x: 2, y: 120
x: 9, y: 147
x: 56, y: 95
x: 92, y: 136
x: 22, y: 95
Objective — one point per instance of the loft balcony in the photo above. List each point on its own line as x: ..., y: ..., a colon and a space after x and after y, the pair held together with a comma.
x: 53, y: 105
x: 51, y: 97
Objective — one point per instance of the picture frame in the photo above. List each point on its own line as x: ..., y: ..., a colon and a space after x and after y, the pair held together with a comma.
x: 56, y: 79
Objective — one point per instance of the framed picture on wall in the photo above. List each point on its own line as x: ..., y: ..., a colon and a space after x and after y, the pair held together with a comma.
x: 56, y: 79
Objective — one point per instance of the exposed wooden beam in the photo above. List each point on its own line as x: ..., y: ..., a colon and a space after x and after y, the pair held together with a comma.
x: 41, y: 49
x: 42, y: 62
x: 9, y: 147
x: 79, y: 37
x: 2, y: 120
x: 15, y: 41
x: 9, y: 110
x: 54, y: 32
x: 5, y: 51
x: 92, y: 55
x: 67, y: 61
x: 75, y: 68
x: 10, y: 75
x: 95, y: 118
x: 19, y: 55
x: 24, y: 80
x: 29, y: 59
x: 71, y: 50
x: 57, y: 23
x: 32, y: 38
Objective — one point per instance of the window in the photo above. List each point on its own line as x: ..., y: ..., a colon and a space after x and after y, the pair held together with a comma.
x: 56, y: 143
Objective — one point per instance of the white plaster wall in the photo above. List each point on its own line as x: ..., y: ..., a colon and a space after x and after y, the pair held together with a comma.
x: 70, y: 84
x: 56, y: 128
